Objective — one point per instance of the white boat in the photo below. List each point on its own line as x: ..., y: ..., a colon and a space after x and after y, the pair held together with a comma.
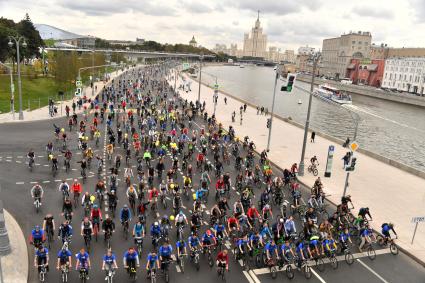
x: 241, y: 66
x: 275, y: 68
x: 299, y: 101
x: 332, y: 94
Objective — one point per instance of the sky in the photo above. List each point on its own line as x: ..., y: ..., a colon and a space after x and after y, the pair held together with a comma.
x: 289, y: 24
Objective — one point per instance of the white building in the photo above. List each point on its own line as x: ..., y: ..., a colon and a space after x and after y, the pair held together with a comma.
x: 305, y: 50
x: 255, y: 44
x: 406, y: 74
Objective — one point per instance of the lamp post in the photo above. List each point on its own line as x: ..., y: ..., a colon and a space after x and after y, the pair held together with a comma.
x: 272, y: 113
x: 24, y: 44
x: 201, y: 58
x: 12, y: 89
x: 316, y: 58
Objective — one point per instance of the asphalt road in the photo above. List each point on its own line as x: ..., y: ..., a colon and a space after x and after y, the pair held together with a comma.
x: 16, y: 181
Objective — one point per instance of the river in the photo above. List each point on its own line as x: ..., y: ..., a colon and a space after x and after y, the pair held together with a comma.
x: 393, y: 130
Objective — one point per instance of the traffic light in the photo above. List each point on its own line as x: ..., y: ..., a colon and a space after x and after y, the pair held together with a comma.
x: 289, y: 84
x: 269, y: 123
x: 353, y: 164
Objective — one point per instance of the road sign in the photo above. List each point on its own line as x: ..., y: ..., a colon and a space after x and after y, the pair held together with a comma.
x: 78, y: 91
x: 354, y: 146
x: 418, y: 219
x: 216, y: 86
x: 329, y: 161
x: 78, y: 84
x: 185, y: 66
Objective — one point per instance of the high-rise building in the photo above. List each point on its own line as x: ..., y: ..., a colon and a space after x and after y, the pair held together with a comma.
x: 406, y: 74
x: 255, y: 44
x: 337, y: 52
x: 305, y: 50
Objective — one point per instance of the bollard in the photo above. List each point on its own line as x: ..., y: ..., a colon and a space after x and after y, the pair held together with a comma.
x: 5, y: 248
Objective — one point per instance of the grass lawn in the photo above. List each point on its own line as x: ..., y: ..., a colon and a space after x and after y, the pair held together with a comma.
x: 35, y: 92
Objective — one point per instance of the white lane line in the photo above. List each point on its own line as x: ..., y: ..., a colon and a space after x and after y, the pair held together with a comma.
x: 20, y: 156
x: 17, y: 161
x: 178, y: 268
x: 254, y: 277
x: 33, y: 182
x: 40, y: 156
x: 372, y: 271
x: 248, y: 277
x: 317, y: 275
x: 46, y: 182
x: 8, y: 160
x: 20, y: 183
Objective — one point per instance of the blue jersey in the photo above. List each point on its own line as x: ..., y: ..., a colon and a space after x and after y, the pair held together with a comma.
x: 207, y: 238
x: 82, y: 258
x: 314, y: 243
x: 300, y: 248
x: 125, y: 214
x: 329, y: 243
x: 109, y: 259
x: 131, y: 256
x: 270, y: 247
x: 165, y: 250
x: 138, y: 229
x: 285, y: 248
x: 180, y: 245
x: 37, y: 235
x: 343, y: 237
x: 194, y: 242
x: 155, y: 230
x: 364, y: 233
x: 255, y: 239
x: 64, y: 255
x: 42, y: 254
x: 152, y: 259
x: 219, y: 228
x: 241, y: 242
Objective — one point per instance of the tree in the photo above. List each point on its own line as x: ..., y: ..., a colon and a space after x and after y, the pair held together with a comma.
x: 32, y: 37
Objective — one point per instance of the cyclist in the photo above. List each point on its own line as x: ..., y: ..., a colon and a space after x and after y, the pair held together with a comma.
x: 329, y: 246
x: 180, y: 219
x: 96, y: 216
x: 271, y: 248
x: 108, y: 226
x: 181, y: 249
x: 314, y: 161
x: 243, y: 246
x: 37, y: 192
x: 83, y: 261
x: 220, y: 230
x: 152, y: 259
x: 125, y: 215
x: 131, y: 194
x: 313, y: 247
x: 290, y: 226
x: 165, y: 252
x: 131, y: 259
x: 64, y: 258
x: 65, y: 231
x: 386, y: 228
x: 138, y: 231
x: 76, y: 189
x: 109, y: 262
x: 49, y: 224
x: 208, y: 239
x: 301, y: 253
x: 31, y: 156
x: 222, y: 260
x: 365, y: 211
x: 286, y: 251
x: 155, y: 231
x: 86, y: 228
x: 41, y: 258
x: 344, y: 238
x: 38, y: 237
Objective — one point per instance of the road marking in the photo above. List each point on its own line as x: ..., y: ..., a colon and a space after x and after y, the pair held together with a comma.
x: 317, y: 276
x: 20, y: 156
x: 17, y: 161
x: 372, y: 271
x: 58, y: 180
x: 20, y: 183
x: 8, y: 160
x: 248, y: 277
x: 178, y: 268
x: 253, y: 276
x: 33, y: 182
x: 40, y: 156
x: 45, y: 165
x: 45, y: 182
x: 205, y: 223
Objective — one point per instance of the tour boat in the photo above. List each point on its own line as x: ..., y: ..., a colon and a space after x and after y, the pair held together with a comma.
x: 332, y: 94
x: 241, y: 66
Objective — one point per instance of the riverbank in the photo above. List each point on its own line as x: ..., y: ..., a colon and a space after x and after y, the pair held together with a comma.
x: 409, y: 99
x: 390, y: 193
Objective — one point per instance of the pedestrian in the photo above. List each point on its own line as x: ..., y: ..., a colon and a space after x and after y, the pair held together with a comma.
x: 241, y: 121
x: 244, y: 107
x: 262, y: 110
x: 346, y: 159
x: 258, y: 110
x: 225, y: 100
x: 266, y: 111
x: 313, y: 136
x: 233, y: 116
x: 241, y: 109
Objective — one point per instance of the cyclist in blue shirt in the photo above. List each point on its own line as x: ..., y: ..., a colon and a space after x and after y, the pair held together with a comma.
x: 151, y: 261
x: 243, y: 245
x: 65, y: 231
x: 270, y: 249
x: 131, y: 259
x: 181, y: 249
x: 83, y: 261
x: 64, y: 258
x: 37, y: 236
x: 41, y: 258
x: 165, y: 253
x: 329, y: 246
x: 256, y: 240
x: 344, y: 237
x: 286, y: 251
x: 109, y: 262
x: 301, y: 253
x: 155, y: 231
x: 365, y: 238
x: 194, y: 244
x: 125, y: 214
x: 208, y: 239
x: 265, y: 232
x: 138, y: 231
x: 220, y: 230
x: 386, y: 228
x: 313, y: 247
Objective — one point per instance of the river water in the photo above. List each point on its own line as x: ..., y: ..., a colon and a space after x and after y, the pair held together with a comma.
x: 393, y: 130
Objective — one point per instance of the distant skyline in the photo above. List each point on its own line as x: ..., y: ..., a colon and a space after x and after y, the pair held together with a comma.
x: 288, y: 24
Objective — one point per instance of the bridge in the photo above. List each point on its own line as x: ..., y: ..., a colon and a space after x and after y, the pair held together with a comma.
x: 133, y: 55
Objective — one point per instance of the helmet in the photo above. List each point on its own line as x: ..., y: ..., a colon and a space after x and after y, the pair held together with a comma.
x: 92, y: 198
x: 95, y: 206
x: 37, y: 227
x: 172, y: 217
x: 208, y: 232
x: 125, y: 206
x: 181, y: 212
x: 155, y: 223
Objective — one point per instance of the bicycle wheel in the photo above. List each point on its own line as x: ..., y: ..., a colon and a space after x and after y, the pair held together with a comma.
x: 349, y: 258
x: 307, y: 271
x: 289, y: 272
x: 315, y: 172
x: 258, y: 261
x: 273, y: 272
x: 393, y: 249
x: 371, y: 253
x: 320, y: 264
x: 167, y: 276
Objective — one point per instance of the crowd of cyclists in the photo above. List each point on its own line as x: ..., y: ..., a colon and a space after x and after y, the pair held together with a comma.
x: 184, y: 162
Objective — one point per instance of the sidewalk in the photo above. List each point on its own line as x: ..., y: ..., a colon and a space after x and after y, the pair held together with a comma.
x: 15, y: 265
x: 43, y: 112
x: 391, y: 194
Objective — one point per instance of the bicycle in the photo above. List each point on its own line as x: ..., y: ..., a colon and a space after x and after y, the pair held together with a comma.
x: 383, y: 242
x: 320, y: 264
x: 76, y: 199
x: 139, y: 244
x: 31, y: 164
x: 181, y: 261
x: 96, y: 227
x: 49, y: 232
x: 83, y: 274
x: 42, y: 273
x: 107, y: 240
x: 163, y: 200
x: 165, y: 270
x: 87, y: 240
x: 64, y: 273
x: 286, y: 262
x: 37, y: 204
x: 306, y: 269
x: 332, y: 259
x: 312, y: 168
x: 221, y: 272
x: 125, y: 229
x: 133, y: 273
x: 110, y: 275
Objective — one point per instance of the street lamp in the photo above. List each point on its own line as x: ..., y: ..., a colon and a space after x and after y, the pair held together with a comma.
x: 272, y: 113
x: 201, y: 58
x: 24, y: 45
x: 316, y: 58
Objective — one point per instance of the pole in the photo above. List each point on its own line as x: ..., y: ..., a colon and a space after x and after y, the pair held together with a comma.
x: 346, y: 184
x: 12, y: 91
x: 271, y: 117
x: 175, y: 79
x: 200, y: 77
x: 414, y: 232
x: 92, y: 74
x: 21, y: 114
x: 307, y: 122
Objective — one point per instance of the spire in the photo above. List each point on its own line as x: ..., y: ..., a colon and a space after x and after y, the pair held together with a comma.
x: 258, y: 18
x: 257, y: 22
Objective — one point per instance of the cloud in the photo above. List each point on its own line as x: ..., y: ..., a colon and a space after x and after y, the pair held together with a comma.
x: 372, y: 12
x: 418, y: 9
x: 196, y: 7
x: 276, y: 7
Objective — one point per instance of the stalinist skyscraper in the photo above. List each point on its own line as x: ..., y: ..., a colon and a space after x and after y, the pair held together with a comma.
x: 255, y: 44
